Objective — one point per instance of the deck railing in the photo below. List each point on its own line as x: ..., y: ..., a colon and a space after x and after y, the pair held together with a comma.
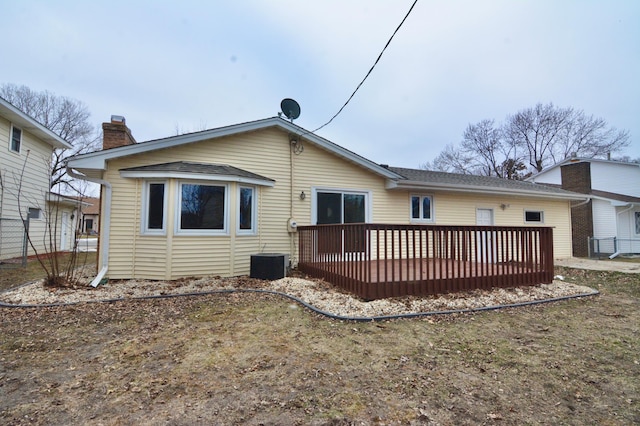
x: 377, y: 261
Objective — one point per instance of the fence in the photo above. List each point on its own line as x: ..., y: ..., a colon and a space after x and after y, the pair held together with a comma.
x: 13, y: 242
x: 605, y: 247
x: 377, y: 261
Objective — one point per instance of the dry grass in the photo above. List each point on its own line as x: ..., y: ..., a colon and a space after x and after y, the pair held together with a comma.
x: 13, y: 275
x: 256, y: 359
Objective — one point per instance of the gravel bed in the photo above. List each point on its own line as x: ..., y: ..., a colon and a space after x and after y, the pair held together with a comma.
x: 317, y: 293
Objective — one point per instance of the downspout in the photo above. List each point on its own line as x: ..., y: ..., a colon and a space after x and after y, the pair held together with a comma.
x: 105, y: 223
x: 617, y: 253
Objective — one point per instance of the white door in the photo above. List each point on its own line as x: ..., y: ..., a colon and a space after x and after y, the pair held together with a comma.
x: 484, y: 240
x: 64, y: 232
x: 484, y: 217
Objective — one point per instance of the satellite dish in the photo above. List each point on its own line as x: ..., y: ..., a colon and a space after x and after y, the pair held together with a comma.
x: 290, y: 108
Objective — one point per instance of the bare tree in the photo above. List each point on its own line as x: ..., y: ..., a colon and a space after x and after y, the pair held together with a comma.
x: 483, y: 151
x: 491, y: 155
x: 451, y: 160
x: 68, y: 118
x: 549, y: 134
x: 540, y: 136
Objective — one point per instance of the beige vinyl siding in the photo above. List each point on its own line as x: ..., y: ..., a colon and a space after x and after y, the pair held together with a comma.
x: 151, y: 258
x: 460, y: 209
x: 267, y: 153
x: 135, y: 255
x: 317, y: 168
x: 193, y: 256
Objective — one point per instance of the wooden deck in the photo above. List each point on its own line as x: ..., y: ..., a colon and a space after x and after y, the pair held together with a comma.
x: 397, y: 260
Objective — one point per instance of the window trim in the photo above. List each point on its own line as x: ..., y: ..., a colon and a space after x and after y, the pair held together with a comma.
x: 253, y: 230
x: 541, y: 221
x: 636, y: 218
x: 420, y: 219
x: 13, y: 128
x: 145, y: 230
x: 200, y: 232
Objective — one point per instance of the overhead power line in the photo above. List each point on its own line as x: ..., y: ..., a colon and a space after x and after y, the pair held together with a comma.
x: 370, y: 70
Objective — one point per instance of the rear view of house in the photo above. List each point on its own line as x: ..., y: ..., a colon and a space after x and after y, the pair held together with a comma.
x: 203, y: 203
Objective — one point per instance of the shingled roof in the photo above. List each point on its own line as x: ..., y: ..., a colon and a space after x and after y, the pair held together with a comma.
x: 185, y: 167
x: 429, y: 179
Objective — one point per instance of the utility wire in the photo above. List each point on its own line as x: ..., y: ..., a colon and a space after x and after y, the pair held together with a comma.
x: 370, y: 70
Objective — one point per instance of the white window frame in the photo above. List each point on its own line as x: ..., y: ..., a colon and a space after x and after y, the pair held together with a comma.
x: 636, y: 218
x: 421, y: 219
x: 368, y: 201
x: 541, y: 221
x: 13, y: 128
x: 201, y: 232
x: 145, y: 230
x: 254, y: 196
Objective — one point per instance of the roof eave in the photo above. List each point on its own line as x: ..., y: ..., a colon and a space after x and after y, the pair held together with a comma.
x: 415, y: 185
x: 26, y: 123
x: 201, y: 176
x: 97, y: 160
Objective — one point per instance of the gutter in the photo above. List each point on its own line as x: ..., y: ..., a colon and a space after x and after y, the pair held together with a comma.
x: 413, y: 185
x: 105, y: 223
x: 582, y: 203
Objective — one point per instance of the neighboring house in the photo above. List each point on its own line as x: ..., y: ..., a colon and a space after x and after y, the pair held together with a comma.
x: 203, y: 203
x: 612, y: 215
x: 90, y: 220
x: 63, y: 218
x: 26, y: 148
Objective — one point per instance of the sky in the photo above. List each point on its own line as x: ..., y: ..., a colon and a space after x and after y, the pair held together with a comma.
x: 172, y: 67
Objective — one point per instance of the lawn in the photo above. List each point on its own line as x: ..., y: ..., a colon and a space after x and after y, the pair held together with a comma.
x: 12, y: 275
x: 261, y: 359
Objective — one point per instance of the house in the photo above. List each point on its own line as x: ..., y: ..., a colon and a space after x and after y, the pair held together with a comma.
x: 25, y: 163
x: 90, y: 216
x: 202, y: 203
x: 611, y: 216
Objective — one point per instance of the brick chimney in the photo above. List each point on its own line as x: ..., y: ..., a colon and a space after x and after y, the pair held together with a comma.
x: 576, y: 177
x: 116, y: 133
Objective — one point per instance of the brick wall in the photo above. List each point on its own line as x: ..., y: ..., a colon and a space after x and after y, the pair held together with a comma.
x: 576, y: 177
x: 581, y: 228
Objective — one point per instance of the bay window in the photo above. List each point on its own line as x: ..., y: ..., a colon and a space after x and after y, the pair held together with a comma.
x: 246, y: 210
x: 154, y: 208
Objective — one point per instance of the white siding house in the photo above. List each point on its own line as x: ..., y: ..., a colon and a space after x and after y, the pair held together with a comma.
x: 612, y: 216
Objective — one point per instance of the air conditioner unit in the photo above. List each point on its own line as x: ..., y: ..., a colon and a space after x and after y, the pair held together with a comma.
x: 269, y: 266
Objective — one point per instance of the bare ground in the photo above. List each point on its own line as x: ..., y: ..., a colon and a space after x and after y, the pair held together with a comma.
x: 260, y: 359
